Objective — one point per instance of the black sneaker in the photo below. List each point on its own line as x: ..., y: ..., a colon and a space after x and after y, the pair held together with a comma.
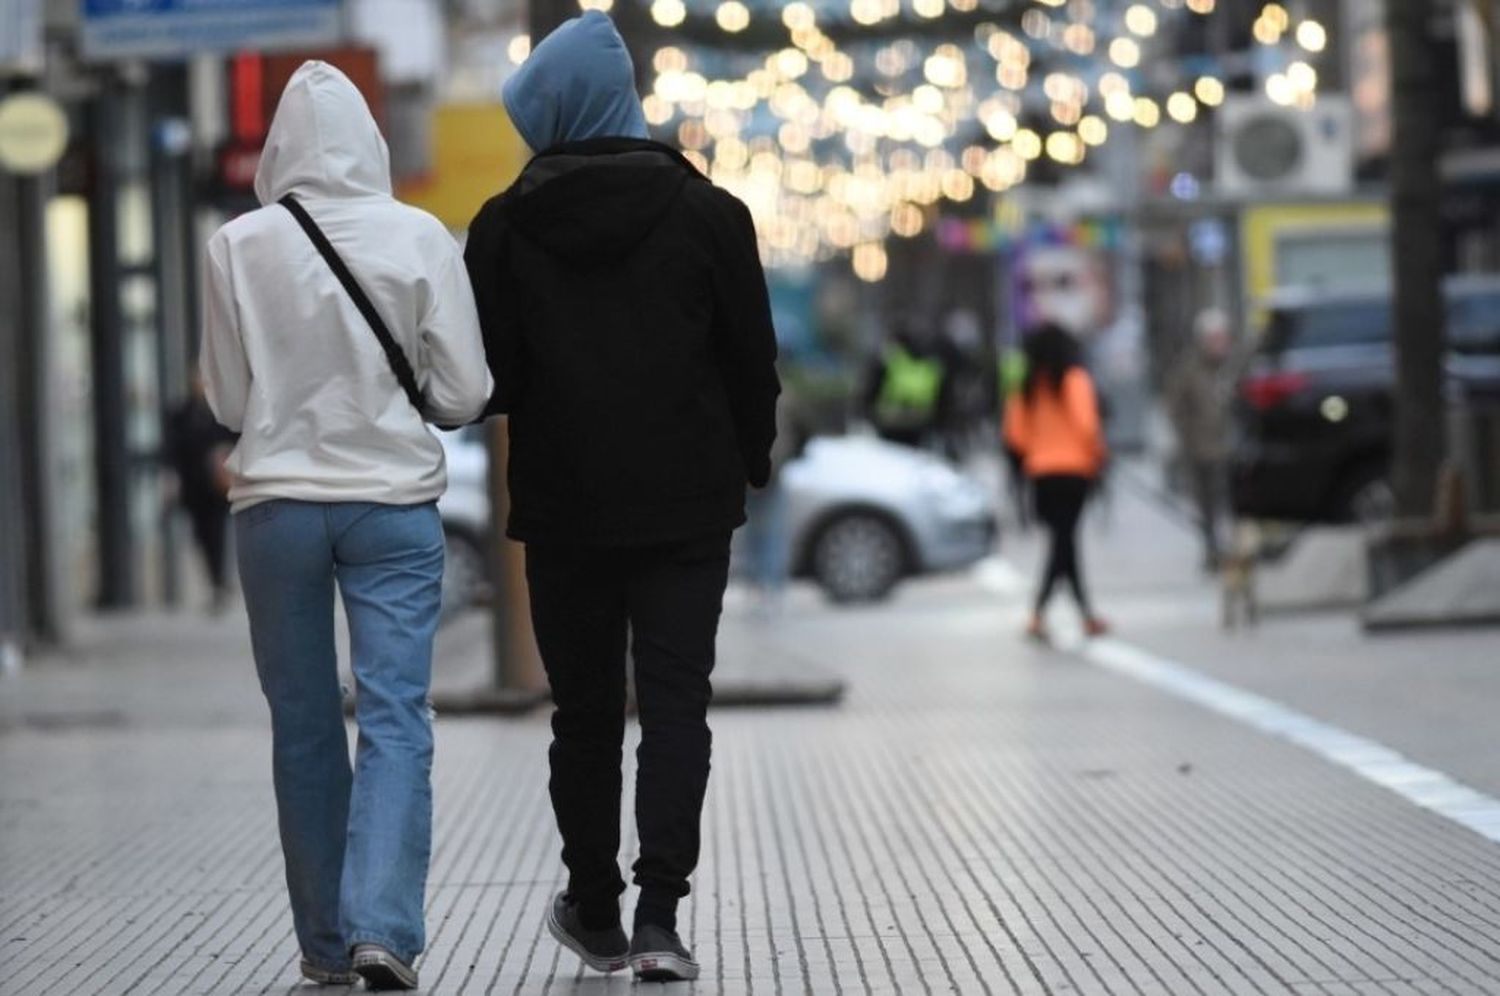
x: 604, y: 950
x: 381, y: 969
x: 657, y: 955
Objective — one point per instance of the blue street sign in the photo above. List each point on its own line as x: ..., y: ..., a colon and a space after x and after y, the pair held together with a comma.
x: 175, y: 29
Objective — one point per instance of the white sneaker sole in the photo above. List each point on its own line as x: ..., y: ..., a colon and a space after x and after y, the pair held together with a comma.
x: 324, y: 977
x: 663, y: 967
x: 567, y: 940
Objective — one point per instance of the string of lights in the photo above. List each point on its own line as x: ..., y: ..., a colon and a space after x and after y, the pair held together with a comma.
x: 872, y: 112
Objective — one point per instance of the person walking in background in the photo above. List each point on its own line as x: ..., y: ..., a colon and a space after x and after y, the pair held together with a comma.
x: 1012, y: 381
x: 196, y: 447
x: 334, y: 480
x: 1053, y: 423
x: 1197, y: 395
x: 626, y: 313
x: 907, y: 387
x: 767, y: 545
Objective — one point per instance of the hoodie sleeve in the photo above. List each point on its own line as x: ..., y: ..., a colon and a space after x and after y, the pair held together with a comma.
x: 221, y: 358
x: 745, y: 337
x: 485, y: 258
x: 458, y: 379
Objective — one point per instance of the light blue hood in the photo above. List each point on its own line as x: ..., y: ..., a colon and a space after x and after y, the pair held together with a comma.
x: 579, y: 83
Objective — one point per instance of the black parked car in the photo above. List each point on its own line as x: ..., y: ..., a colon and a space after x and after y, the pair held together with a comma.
x: 1315, y: 405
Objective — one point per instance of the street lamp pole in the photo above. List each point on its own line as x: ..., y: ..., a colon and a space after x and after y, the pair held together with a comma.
x: 1416, y: 230
x: 13, y: 579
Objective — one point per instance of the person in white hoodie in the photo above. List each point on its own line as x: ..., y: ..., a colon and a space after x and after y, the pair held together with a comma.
x: 334, y: 480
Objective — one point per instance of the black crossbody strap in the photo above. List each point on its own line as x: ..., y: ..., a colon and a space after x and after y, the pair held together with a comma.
x: 400, y: 365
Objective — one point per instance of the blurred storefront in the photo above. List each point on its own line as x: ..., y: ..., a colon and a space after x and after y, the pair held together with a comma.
x: 165, y: 106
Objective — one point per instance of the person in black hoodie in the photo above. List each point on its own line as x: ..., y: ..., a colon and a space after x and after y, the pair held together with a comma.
x: 628, y: 327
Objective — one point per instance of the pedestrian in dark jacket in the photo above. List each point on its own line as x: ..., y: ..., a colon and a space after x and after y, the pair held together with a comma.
x: 195, y: 447
x: 1198, y: 395
x: 628, y: 325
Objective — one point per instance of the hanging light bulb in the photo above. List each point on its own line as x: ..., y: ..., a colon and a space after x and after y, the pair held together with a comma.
x: 1141, y: 20
x: 1093, y: 130
x: 1209, y: 90
x: 1125, y: 53
x: 668, y: 13
x: 798, y: 16
x: 1312, y: 36
x: 1182, y: 107
x: 733, y: 16
x: 870, y: 262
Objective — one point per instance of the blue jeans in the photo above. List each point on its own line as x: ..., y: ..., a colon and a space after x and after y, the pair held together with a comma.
x: 356, y: 842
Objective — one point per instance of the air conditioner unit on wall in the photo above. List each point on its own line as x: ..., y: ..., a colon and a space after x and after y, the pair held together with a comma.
x: 1265, y: 149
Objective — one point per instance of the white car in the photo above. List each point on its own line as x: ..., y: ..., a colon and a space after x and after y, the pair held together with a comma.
x: 861, y: 514
x: 465, y: 509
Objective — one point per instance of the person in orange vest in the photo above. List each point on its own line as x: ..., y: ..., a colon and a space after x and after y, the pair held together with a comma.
x: 1053, y: 423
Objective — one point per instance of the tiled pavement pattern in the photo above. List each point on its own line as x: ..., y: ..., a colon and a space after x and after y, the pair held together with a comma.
x: 978, y: 817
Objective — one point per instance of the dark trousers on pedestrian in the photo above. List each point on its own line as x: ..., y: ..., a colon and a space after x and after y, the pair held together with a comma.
x: 1209, y: 487
x: 1059, y: 506
x: 210, y: 521
x: 586, y: 604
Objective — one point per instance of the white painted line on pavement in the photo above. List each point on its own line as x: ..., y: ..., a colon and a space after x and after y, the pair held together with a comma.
x: 995, y: 573
x: 1372, y: 761
x: 1366, y: 758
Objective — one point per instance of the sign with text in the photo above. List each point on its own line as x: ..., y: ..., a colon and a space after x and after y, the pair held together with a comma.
x: 175, y: 29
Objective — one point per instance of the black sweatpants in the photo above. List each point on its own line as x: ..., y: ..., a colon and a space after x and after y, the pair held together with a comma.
x: 584, y: 602
x: 1059, y: 505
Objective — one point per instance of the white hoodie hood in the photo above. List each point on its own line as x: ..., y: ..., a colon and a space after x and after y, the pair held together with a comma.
x: 290, y: 363
x: 323, y: 141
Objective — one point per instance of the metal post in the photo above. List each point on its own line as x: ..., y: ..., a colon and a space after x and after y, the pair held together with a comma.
x: 117, y: 587
x: 171, y: 141
x: 1416, y: 193
x: 44, y: 595
x: 13, y: 610
x: 519, y: 680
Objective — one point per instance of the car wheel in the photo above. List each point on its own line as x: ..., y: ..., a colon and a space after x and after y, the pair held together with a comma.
x: 465, y: 581
x: 858, y: 557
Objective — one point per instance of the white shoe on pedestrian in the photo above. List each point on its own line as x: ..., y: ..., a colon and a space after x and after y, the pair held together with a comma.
x: 318, y: 975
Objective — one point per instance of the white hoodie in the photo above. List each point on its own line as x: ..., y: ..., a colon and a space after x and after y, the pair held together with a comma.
x: 288, y: 361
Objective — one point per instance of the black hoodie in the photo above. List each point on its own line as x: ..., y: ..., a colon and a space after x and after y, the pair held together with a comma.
x: 628, y: 328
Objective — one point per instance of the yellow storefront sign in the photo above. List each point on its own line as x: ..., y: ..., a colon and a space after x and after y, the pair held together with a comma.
x: 1268, y: 232
x: 476, y: 153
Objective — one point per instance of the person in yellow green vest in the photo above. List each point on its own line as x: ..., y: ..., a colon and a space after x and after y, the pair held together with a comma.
x: 1013, y: 368
x: 906, y: 392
